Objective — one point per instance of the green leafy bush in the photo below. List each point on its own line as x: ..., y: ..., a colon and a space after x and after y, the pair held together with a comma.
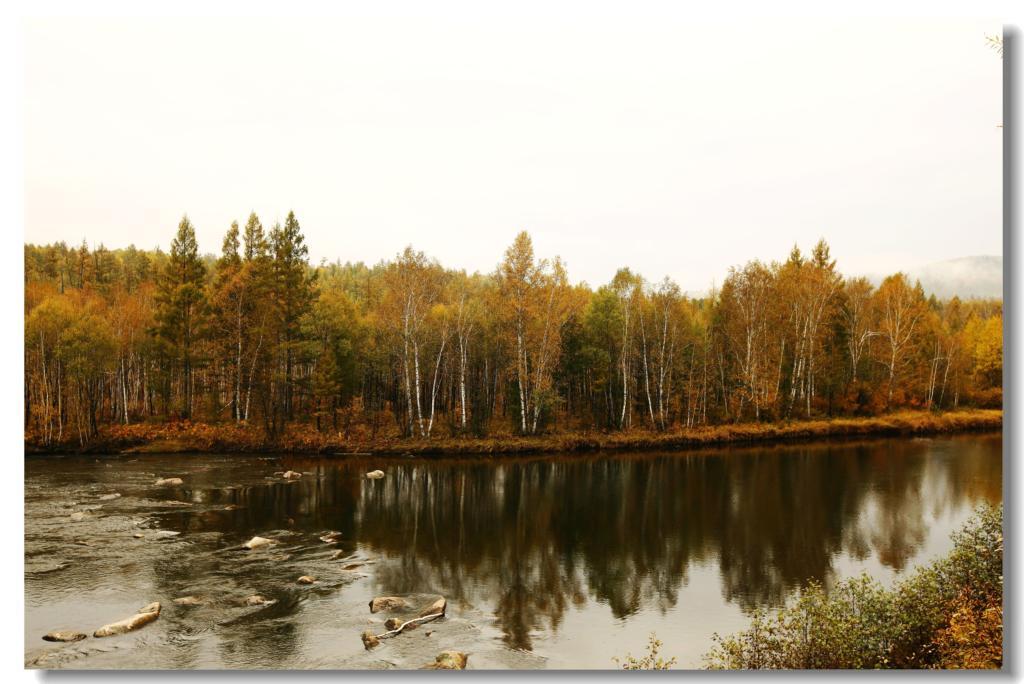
x: 946, y: 614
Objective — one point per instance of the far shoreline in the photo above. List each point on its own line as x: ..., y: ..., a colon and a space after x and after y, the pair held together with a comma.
x: 189, y: 439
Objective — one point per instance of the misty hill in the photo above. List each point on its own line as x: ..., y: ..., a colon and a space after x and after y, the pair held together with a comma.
x: 966, y: 277
x: 975, y: 276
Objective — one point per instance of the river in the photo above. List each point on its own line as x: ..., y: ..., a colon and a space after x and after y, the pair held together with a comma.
x: 556, y: 562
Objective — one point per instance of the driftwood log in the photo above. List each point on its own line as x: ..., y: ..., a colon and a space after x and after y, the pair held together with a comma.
x: 434, y: 611
x: 415, y: 621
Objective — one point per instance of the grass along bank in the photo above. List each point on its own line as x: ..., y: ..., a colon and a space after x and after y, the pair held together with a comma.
x: 187, y: 437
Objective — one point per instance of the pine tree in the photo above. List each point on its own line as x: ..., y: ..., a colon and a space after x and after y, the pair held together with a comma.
x: 181, y: 306
x: 293, y: 294
x: 229, y: 304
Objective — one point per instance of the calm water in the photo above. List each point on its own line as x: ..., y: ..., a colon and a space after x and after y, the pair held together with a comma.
x: 546, y: 562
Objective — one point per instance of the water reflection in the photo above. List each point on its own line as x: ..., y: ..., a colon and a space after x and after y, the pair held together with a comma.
x: 536, y: 536
x: 528, y: 540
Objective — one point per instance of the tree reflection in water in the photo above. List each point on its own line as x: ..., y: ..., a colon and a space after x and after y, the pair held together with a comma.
x: 530, y: 538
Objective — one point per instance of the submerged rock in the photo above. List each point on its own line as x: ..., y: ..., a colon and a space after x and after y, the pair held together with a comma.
x: 449, y: 660
x: 138, y: 535
x: 375, y: 475
x: 145, y: 615
x: 110, y: 497
x: 387, y: 603
x: 79, y: 516
x: 306, y: 579
x: 352, y: 566
x: 165, y: 534
x: 331, y: 537
x: 369, y: 640
x: 291, y: 475
x: 258, y: 543
x: 258, y: 600
x: 61, y: 635
x: 168, y: 481
x: 189, y: 601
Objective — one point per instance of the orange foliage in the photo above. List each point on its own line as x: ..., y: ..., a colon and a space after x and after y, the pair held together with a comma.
x: 188, y: 436
x: 974, y: 638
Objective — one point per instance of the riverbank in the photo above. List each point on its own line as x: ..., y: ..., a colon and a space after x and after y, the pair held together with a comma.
x: 185, y: 437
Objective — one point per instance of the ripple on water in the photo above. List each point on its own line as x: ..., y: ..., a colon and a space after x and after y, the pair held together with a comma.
x: 545, y: 561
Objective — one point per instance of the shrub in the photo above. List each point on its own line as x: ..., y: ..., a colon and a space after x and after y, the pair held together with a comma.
x: 651, y: 661
x: 947, y: 614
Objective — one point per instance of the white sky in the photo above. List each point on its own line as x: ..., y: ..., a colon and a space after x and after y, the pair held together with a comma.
x: 671, y: 147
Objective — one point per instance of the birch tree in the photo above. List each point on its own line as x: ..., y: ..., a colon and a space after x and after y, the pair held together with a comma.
x: 413, y: 285
x: 744, y: 324
x: 536, y: 298
x: 856, y: 318
x: 898, y: 310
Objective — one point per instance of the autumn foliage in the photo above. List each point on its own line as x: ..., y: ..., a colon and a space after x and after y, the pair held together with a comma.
x: 258, y: 345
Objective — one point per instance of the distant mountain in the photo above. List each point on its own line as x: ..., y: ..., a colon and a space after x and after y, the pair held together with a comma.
x: 966, y: 277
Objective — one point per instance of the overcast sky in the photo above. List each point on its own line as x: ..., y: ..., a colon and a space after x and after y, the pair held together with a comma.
x: 670, y: 147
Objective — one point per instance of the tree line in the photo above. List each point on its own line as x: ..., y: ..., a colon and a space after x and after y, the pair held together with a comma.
x: 258, y: 336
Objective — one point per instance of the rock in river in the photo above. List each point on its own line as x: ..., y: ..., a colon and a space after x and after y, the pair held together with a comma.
x: 369, y: 640
x: 110, y: 497
x: 79, y: 516
x: 331, y: 537
x: 292, y: 475
x: 145, y: 615
x: 387, y: 603
x: 257, y: 600
x: 165, y: 534
x: 375, y: 475
x: 61, y: 635
x: 257, y: 543
x: 168, y: 481
x: 434, y: 608
x: 188, y: 601
x: 306, y: 579
x: 449, y: 660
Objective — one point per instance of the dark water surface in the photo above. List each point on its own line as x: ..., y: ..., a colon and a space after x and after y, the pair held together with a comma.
x: 546, y: 562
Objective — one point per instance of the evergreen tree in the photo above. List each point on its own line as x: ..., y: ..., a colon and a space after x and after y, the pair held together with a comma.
x: 293, y: 294
x: 181, y: 307
x: 229, y: 305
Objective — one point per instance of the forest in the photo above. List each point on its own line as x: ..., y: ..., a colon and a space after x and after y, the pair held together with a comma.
x: 259, y: 339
